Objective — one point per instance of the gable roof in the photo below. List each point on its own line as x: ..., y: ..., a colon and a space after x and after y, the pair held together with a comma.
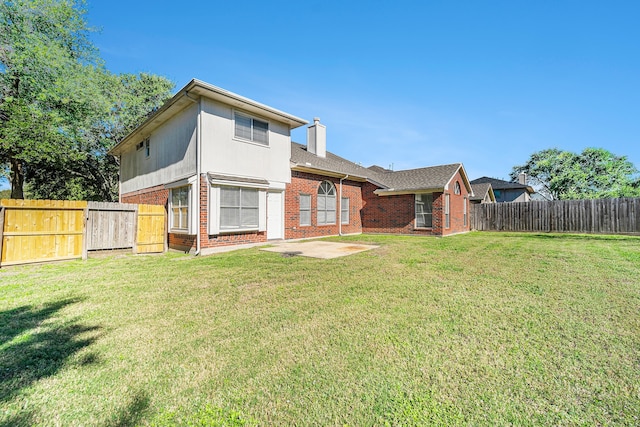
x: 433, y: 178
x: 187, y: 96
x: 429, y: 179
x: 498, y: 184
x: 480, y: 191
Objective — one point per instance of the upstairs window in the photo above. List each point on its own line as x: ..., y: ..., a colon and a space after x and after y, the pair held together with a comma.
x: 424, y: 210
x: 456, y: 188
x: 251, y: 129
x: 326, y: 203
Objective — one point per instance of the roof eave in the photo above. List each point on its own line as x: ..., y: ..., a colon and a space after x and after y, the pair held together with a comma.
x: 326, y: 172
x: 402, y: 191
x: 184, y: 98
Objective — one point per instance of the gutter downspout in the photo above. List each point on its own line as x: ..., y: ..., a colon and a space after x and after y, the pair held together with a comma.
x: 198, y: 166
x: 340, y: 214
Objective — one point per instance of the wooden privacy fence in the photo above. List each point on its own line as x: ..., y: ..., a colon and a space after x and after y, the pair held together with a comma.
x: 604, y: 216
x: 49, y: 230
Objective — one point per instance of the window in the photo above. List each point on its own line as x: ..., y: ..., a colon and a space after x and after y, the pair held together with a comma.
x: 464, y: 212
x: 424, y: 206
x: 180, y: 209
x: 497, y: 194
x: 326, y: 203
x: 251, y: 129
x: 447, y: 219
x: 238, y: 208
x: 147, y: 148
x: 305, y: 209
x: 456, y: 188
x: 344, y: 210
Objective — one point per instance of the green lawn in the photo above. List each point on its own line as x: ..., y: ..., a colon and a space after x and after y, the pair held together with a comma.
x: 476, y: 329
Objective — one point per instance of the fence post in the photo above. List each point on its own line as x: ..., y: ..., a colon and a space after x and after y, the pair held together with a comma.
x: 136, y: 220
x: 85, y: 234
x: 1, y: 232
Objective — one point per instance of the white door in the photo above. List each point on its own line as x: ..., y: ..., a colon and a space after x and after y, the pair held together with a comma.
x: 275, y: 226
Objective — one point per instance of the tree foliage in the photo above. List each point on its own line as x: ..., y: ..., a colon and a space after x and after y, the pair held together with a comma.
x: 60, y: 109
x: 595, y: 173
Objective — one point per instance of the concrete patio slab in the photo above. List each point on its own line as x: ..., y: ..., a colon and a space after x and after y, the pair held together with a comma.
x: 318, y: 249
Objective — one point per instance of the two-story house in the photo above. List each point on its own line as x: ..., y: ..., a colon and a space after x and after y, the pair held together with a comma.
x: 225, y: 168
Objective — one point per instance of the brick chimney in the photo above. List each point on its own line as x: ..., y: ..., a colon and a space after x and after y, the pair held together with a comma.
x: 317, y: 138
x: 522, y: 178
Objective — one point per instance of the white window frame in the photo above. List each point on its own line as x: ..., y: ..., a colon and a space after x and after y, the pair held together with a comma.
x: 324, y: 207
x: 447, y: 213
x: 305, y: 209
x: 419, y: 209
x: 253, y: 135
x: 147, y: 148
x: 240, y: 207
x: 186, y: 189
x: 344, y: 210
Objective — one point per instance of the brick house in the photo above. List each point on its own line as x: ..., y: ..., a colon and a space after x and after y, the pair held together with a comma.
x: 225, y: 168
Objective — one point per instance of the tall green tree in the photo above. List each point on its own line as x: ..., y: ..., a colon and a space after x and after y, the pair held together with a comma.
x: 46, y: 59
x: 595, y: 173
x: 92, y: 174
x: 60, y: 109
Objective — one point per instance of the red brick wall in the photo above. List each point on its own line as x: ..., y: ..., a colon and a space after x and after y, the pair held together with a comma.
x: 159, y: 195
x: 227, y: 239
x: 456, y: 205
x: 396, y: 214
x: 306, y: 183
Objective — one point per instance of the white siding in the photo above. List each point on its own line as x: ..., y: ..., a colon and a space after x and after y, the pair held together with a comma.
x: 225, y: 155
x: 172, y: 154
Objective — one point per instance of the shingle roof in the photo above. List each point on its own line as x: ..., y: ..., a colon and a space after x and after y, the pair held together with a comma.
x: 330, y: 163
x: 420, y: 179
x: 480, y: 190
x: 497, y: 184
x: 406, y: 180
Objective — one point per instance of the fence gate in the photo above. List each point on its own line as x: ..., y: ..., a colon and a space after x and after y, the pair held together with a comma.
x: 111, y: 226
x: 152, y: 231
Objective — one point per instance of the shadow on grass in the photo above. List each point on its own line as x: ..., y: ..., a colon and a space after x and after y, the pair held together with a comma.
x: 133, y: 413
x: 34, y: 344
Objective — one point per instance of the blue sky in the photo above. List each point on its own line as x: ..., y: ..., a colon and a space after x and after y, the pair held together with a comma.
x: 408, y: 83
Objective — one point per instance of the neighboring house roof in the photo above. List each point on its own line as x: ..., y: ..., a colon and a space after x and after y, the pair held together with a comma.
x: 434, y: 178
x: 498, y: 184
x: 481, y: 190
x: 187, y: 96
